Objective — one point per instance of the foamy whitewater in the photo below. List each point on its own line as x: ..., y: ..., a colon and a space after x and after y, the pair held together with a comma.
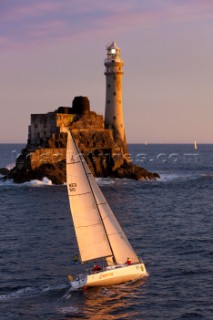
x: 167, y: 221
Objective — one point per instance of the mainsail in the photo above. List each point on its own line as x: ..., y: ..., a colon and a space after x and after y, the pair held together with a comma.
x: 98, y: 232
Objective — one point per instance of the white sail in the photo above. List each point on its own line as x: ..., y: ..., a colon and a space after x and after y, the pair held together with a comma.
x: 89, y: 229
x: 98, y: 231
x: 120, y: 245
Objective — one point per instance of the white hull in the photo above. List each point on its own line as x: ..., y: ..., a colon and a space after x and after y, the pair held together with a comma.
x: 111, y: 275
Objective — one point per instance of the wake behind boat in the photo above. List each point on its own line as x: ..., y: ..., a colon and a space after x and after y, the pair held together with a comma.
x: 98, y: 233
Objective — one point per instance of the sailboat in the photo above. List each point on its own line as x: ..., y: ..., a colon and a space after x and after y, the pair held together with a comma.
x: 98, y: 233
x: 195, y: 145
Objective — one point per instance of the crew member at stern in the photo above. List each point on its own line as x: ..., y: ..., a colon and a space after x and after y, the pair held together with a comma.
x: 128, y: 261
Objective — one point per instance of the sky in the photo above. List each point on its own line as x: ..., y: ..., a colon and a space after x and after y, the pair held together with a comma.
x: 54, y: 50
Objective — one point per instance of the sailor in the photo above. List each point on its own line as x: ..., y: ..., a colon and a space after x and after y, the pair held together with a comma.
x: 75, y: 258
x: 128, y: 261
x: 96, y: 268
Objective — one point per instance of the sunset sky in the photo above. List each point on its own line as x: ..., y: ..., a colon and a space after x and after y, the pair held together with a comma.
x: 54, y: 50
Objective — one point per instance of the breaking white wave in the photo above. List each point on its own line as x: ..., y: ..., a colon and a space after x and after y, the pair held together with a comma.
x: 30, y: 291
x: 10, y: 166
x: 18, y: 294
x: 104, y: 181
x: 33, y: 183
x: 166, y: 177
x: 68, y: 309
x: 36, y: 183
x: 47, y: 182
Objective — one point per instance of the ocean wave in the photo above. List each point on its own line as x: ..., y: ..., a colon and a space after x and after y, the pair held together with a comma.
x: 6, y: 183
x: 166, y: 177
x: 208, y: 175
x: 36, y: 183
x: 33, y: 183
x: 68, y: 310
x: 104, y: 181
x: 10, y: 166
x: 18, y: 294
x: 49, y: 288
x: 47, y: 182
x: 30, y: 291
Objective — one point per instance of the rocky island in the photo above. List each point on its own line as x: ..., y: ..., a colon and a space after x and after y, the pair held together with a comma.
x: 45, y: 152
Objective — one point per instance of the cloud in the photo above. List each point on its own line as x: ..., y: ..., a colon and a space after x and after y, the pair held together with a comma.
x: 27, y: 22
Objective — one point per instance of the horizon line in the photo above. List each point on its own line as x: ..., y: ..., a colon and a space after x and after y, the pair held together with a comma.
x: 142, y: 143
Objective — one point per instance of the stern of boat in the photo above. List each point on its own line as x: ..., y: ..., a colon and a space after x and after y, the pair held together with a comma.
x: 77, y: 283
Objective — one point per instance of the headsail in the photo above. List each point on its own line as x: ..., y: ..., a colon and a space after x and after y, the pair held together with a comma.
x: 98, y: 231
x: 89, y: 229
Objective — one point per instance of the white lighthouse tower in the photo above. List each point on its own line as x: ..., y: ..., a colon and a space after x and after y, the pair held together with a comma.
x: 113, y: 109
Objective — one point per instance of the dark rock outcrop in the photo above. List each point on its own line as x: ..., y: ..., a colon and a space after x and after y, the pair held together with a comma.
x: 45, y: 152
x: 4, y: 172
x: 103, y: 157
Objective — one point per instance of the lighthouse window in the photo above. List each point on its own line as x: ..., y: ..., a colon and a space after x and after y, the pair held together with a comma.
x: 108, y: 101
x: 108, y: 86
x: 114, y: 93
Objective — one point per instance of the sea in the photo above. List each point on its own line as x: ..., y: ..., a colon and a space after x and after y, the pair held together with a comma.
x: 169, y: 222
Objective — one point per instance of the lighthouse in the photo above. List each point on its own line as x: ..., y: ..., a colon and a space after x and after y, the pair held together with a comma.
x: 113, y: 108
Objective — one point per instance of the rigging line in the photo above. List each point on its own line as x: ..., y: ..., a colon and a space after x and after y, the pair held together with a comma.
x: 95, y: 200
x: 73, y: 162
x: 101, y: 203
x: 89, y: 225
x: 79, y: 194
x: 118, y: 233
